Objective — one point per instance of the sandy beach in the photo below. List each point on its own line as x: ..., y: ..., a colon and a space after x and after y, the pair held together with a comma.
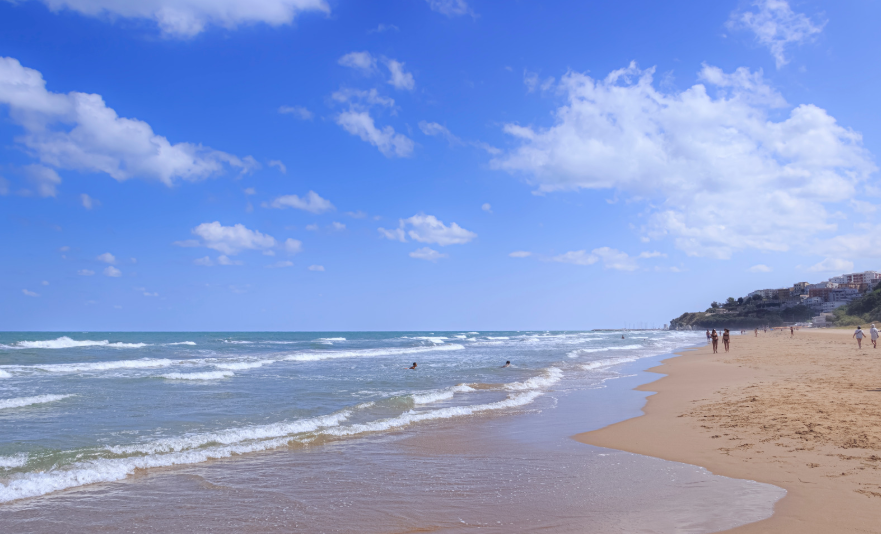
x: 801, y: 413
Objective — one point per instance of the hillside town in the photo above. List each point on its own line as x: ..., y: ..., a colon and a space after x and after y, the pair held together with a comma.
x: 803, y: 302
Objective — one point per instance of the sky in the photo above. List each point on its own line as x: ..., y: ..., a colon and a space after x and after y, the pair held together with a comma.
x: 330, y: 165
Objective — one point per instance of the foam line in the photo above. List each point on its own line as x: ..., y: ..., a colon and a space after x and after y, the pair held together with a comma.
x: 28, y: 401
x: 330, y: 355
x: 65, y: 342
x: 208, y: 375
x: 440, y: 394
x: 11, y: 462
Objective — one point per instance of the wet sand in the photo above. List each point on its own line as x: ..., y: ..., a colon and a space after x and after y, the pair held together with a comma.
x: 803, y: 414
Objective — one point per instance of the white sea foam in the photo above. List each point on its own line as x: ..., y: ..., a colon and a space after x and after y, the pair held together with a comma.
x: 208, y: 375
x: 237, y: 342
x: 497, y: 337
x: 65, y: 342
x: 551, y: 376
x: 575, y: 353
x: 329, y: 355
x: 182, y: 343
x: 331, y: 339
x: 4, y: 374
x: 436, y: 339
x: 240, y: 366
x: 143, y: 363
x: 440, y: 394
x: 11, y: 462
x: 414, y: 416
x: 609, y: 362
x: 28, y: 401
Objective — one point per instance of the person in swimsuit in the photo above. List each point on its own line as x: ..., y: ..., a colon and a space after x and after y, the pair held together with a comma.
x: 873, y: 333
x: 757, y: 332
x: 791, y: 332
x: 715, y: 338
x: 726, y: 339
x: 414, y: 366
x: 708, y: 337
x: 859, y: 335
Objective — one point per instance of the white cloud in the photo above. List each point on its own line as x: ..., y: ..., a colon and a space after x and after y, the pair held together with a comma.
x: 611, y: 258
x: 428, y: 254
x: 576, y: 257
x: 187, y: 18
x: 44, y: 179
x: 281, y: 167
x: 229, y: 239
x: 361, y: 99
x: 316, y: 268
x: 89, y: 202
x: 435, y: 129
x: 78, y: 131
x: 205, y: 262
x: 45, y: 282
x: 30, y: 293
x: 4, y: 186
x: 384, y: 28
x: 486, y: 207
x: 450, y: 8
x: 428, y: 229
x: 832, y: 265
x: 224, y: 260
x: 654, y: 254
x: 311, y: 203
x: 694, y: 155
x: 775, y: 26
x: 280, y: 264
x: 400, y: 79
x: 356, y: 214
x: 337, y: 226
x: 363, y: 61
x: 250, y: 191
x: 293, y: 246
x: 520, y: 254
x: 760, y: 268
x: 297, y: 111
x: 388, y: 142
x: 85, y: 272
x: 312, y: 227
x: 112, y: 272
x: 107, y: 258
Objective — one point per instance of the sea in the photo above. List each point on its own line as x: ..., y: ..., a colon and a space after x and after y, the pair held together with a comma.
x: 336, y: 432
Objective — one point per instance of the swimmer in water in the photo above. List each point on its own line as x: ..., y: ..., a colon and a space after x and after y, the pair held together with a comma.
x: 414, y: 366
x: 507, y: 364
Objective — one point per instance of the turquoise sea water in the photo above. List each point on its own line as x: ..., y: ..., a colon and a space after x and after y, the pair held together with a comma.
x: 82, y: 408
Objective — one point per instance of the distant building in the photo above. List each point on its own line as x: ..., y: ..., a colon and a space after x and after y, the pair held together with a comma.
x: 861, y: 278
x: 801, y: 288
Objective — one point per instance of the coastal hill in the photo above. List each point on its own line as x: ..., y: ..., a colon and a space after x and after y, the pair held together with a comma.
x: 842, y: 300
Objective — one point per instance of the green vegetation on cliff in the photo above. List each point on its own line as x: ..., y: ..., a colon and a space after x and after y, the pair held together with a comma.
x: 742, y: 317
x: 864, y: 310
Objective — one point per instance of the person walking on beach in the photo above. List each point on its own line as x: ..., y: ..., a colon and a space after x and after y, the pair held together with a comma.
x: 715, y: 338
x: 873, y: 333
x: 757, y: 332
x: 791, y: 332
x: 709, y: 337
x: 859, y: 335
x: 726, y: 339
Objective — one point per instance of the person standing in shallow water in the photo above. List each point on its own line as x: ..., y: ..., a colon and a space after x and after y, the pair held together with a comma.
x: 715, y: 338
x: 708, y: 336
x: 414, y: 366
x: 726, y: 339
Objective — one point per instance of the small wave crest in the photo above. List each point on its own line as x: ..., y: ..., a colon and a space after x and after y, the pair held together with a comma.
x: 143, y: 363
x: 367, y: 353
x: 241, y: 366
x: 192, y: 343
x: 11, y: 462
x: 65, y: 342
x: 551, y: 376
x: 575, y: 353
x: 208, y: 375
x: 28, y: 401
x: 441, y: 394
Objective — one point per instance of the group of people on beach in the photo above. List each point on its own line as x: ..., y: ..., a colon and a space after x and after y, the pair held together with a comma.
x: 714, y: 339
x: 873, y: 335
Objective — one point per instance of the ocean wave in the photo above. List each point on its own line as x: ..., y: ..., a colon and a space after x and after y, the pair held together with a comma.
x: 11, y: 462
x: 240, y: 366
x: 181, y: 343
x: 65, y: 342
x: 497, y: 337
x: 143, y: 363
x: 208, y: 375
x: 598, y: 364
x: 367, y: 353
x: 4, y: 374
x: 441, y: 394
x: 236, y: 342
x: 331, y: 339
x: 28, y: 401
x: 575, y: 353
x: 551, y: 376
x: 434, y: 339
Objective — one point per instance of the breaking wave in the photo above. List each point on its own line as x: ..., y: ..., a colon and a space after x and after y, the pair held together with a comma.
x: 209, y: 375
x: 65, y: 342
x: 28, y: 401
x: 367, y: 353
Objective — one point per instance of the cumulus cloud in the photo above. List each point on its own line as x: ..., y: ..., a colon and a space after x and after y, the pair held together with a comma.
x: 832, y: 265
x: 400, y: 79
x: 722, y: 176
x: 428, y: 254
x: 107, y: 258
x: 297, y: 111
x: 187, y: 18
x: 428, y: 229
x: 389, y: 143
x: 337, y: 226
x: 317, y: 268
x: 85, y: 272
x: 576, y: 257
x: 293, y: 246
x: 205, y: 262
x: 224, y: 260
x: 311, y: 203
x: 438, y: 130
x: 229, y: 240
x: 450, y: 8
x: 89, y: 202
x: 520, y: 254
x: 760, y: 268
x: 775, y: 26
x: 384, y: 28
x: 112, y: 272
x: 44, y: 179
x: 30, y: 293
x: 610, y: 257
x: 78, y: 131
x: 360, y: 99
x: 363, y: 61
x: 281, y: 167
x: 486, y: 207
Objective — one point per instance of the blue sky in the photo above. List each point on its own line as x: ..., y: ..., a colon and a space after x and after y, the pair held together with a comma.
x: 439, y: 164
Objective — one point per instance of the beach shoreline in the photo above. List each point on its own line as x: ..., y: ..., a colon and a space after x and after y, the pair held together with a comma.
x: 803, y: 414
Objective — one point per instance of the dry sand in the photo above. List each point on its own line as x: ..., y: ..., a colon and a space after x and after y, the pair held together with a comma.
x: 803, y: 414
